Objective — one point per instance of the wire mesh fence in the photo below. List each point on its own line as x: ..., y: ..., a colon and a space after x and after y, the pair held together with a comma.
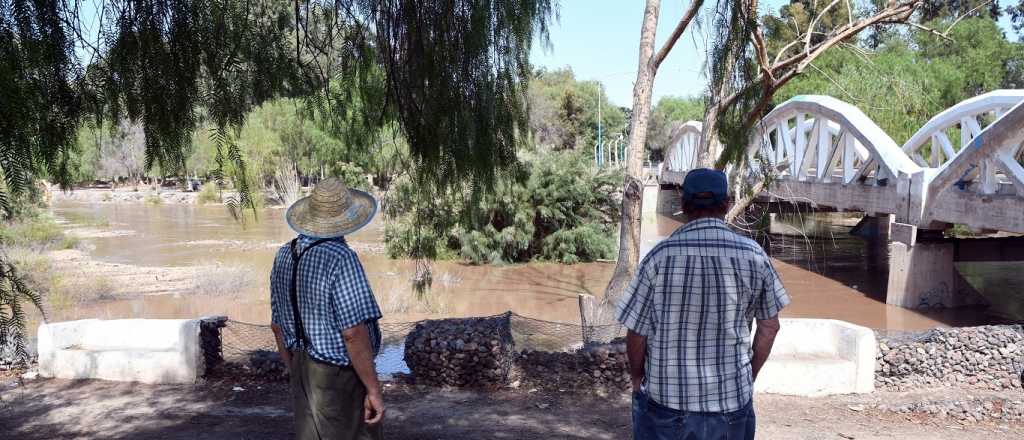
x: 240, y: 341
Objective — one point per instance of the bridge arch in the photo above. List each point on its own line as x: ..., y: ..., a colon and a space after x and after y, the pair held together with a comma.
x: 681, y: 152
x: 814, y: 138
x: 964, y: 121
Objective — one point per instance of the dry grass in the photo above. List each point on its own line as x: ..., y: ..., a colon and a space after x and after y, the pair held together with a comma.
x: 223, y: 280
x: 59, y: 292
x: 402, y: 301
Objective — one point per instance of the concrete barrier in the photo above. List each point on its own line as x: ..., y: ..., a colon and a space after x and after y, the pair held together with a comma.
x: 820, y: 357
x: 139, y: 350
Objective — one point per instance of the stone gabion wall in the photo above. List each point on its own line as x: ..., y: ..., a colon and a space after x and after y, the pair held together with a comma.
x: 468, y: 352
x: 602, y: 366
x: 210, y: 341
x: 988, y: 357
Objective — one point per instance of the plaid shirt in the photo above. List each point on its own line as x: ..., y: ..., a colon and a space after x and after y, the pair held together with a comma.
x: 694, y: 298
x: 333, y: 295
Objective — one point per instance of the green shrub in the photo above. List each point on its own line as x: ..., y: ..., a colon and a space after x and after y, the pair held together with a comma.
x: 37, y: 231
x: 558, y: 208
x: 209, y: 193
x: 351, y: 175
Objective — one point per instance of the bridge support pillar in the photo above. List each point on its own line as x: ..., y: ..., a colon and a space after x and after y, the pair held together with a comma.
x: 669, y: 200
x: 921, y: 271
x: 874, y: 229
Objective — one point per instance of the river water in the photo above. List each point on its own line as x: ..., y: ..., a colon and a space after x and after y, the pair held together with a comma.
x: 828, y: 273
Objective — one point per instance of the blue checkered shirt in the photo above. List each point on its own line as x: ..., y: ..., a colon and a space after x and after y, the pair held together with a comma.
x: 333, y: 295
x: 694, y: 298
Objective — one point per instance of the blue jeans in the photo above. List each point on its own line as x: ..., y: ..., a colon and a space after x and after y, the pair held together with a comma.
x: 653, y: 421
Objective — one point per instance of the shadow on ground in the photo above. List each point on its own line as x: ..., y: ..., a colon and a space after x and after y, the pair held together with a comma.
x: 49, y: 409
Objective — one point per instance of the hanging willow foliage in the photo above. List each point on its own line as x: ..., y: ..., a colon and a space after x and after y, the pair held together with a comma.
x: 733, y: 68
x: 451, y: 73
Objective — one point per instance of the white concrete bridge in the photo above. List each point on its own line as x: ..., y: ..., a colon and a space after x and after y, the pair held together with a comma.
x: 962, y: 167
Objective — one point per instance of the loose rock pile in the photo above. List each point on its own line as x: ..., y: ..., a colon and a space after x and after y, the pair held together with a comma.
x: 469, y: 352
x: 268, y: 365
x: 593, y: 367
x: 969, y: 410
x: 988, y: 357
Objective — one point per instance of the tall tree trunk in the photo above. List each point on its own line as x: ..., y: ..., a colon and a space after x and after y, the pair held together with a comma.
x: 709, y: 147
x: 632, y: 195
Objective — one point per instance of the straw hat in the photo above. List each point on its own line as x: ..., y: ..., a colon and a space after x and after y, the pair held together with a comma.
x: 333, y: 210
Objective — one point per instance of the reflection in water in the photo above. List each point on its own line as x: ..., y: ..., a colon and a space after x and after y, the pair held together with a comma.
x: 832, y: 274
x: 828, y: 273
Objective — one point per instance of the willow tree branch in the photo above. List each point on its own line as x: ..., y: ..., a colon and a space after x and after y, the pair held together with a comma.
x: 930, y: 31
x: 898, y: 13
x: 677, y: 32
x: 968, y: 14
x: 810, y: 28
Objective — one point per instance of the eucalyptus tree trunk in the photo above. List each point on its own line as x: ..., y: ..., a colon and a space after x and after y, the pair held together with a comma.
x: 632, y: 194
x: 707, y: 152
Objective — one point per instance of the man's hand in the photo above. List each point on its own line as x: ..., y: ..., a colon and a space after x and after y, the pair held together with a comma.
x: 286, y: 356
x: 636, y: 352
x: 357, y: 342
x: 373, y: 407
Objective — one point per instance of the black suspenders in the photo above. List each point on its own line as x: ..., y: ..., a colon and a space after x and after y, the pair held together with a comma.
x: 300, y: 330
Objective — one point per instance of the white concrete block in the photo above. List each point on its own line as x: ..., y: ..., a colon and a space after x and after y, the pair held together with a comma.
x: 135, y: 350
x: 819, y: 357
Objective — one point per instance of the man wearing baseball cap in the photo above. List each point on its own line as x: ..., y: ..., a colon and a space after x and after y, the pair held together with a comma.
x: 689, y: 311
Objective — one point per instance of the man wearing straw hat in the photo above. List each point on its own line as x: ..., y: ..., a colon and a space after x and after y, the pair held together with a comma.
x: 325, y: 317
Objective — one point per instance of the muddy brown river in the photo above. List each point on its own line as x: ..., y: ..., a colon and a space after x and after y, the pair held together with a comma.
x: 828, y: 273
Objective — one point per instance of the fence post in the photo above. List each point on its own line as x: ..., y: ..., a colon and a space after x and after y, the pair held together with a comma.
x: 587, y: 306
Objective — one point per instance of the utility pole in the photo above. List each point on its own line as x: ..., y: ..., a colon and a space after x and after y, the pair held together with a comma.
x: 600, y: 140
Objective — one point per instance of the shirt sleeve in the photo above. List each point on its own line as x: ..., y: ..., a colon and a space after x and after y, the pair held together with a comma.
x: 352, y: 300
x: 275, y: 300
x: 636, y: 310
x: 771, y: 297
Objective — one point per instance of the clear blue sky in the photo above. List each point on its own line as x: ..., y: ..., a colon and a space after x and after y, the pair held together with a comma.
x: 600, y: 40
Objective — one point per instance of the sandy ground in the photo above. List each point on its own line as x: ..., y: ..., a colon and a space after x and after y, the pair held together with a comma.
x: 128, y: 279
x: 47, y: 409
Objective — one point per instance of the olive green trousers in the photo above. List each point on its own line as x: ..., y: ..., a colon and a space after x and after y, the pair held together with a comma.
x: 328, y: 401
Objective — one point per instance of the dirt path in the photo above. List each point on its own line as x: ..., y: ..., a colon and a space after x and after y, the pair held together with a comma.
x: 46, y: 409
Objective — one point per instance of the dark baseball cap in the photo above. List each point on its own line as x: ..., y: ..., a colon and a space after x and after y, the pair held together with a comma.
x: 705, y: 187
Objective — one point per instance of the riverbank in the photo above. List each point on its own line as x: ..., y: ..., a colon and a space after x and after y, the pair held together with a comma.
x: 223, y: 409
x: 143, y: 194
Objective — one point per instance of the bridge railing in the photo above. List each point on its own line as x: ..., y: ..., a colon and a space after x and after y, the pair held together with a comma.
x: 827, y: 152
x: 822, y: 139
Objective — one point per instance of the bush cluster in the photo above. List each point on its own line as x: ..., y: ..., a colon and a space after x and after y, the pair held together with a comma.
x: 557, y: 208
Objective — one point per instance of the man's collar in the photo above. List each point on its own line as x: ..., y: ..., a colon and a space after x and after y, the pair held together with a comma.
x: 705, y: 222
x: 305, y: 239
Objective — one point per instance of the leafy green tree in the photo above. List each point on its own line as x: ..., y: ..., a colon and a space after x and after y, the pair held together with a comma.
x: 564, y: 111
x: 668, y: 113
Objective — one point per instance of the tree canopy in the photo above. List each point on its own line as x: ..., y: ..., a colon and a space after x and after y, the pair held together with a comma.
x: 909, y: 78
x: 450, y: 74
x: 564, y: 110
